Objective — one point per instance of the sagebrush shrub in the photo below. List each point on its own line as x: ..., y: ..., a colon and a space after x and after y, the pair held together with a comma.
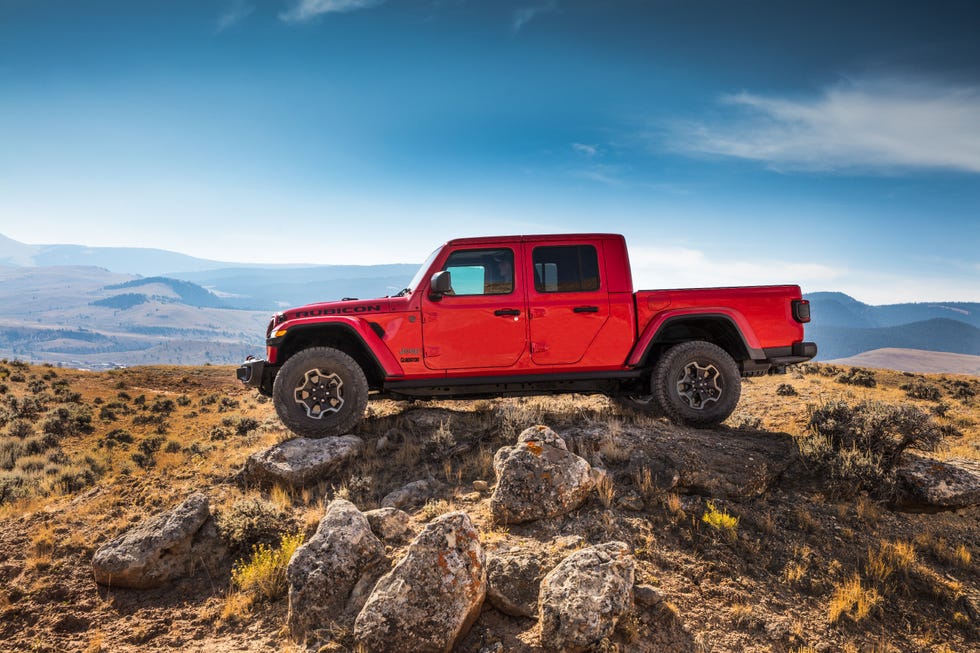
x: 861, y: 445
x: 857, y: 376
x: 245, y: 425
x: 920, y: 389
x: 253, y: 521
x: 786, y: 390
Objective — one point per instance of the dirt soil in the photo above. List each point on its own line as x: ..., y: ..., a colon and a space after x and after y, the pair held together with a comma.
x: 806, y: 567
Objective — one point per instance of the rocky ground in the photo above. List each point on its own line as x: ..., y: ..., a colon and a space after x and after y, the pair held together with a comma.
x: 607, y: 531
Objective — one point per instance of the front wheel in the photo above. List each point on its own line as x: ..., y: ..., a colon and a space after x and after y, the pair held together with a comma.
x: 697, y: 383
x: 320, y: 392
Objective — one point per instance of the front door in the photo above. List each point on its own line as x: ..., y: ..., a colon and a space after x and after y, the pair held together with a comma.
x: 483, y: 321
x: 568, y: 301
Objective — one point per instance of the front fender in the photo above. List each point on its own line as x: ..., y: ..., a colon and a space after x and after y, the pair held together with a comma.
x: 357, y: 328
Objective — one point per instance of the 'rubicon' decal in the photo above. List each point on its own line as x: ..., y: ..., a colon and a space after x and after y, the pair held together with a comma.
x: 337, y: 310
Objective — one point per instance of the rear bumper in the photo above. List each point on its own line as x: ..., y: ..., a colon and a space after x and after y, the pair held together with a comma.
x: 800, y: 352
x: 777, y: 358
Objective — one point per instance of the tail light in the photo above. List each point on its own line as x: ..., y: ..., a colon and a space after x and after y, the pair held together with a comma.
x: 801, y: 310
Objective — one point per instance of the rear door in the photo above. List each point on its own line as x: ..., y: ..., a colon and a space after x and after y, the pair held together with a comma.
x: 483, y: 323
x: 567, y: 299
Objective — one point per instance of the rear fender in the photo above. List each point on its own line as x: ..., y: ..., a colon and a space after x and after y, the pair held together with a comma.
x: 729, y: 319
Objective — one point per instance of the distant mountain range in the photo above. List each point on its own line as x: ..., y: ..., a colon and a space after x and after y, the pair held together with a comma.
x: 88, y: 305
x: 246, y: 286
x: 843, y: 327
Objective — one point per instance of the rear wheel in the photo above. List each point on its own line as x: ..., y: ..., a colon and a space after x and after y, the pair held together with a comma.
x: 697, y: 383
x: 320, y: 392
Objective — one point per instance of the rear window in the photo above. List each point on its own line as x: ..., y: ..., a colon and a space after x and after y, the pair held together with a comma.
x: 566, y: 268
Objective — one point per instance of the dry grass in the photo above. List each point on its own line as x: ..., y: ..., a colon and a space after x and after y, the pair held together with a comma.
x: 96, y: 643
x: 852, y: 600
x: 643, y: 479
x: 434, y: 508
x: 721, y: 522
x: 867, y: 510
x: 263, y: 575
x: 672, y: 502
x: 605, y: 489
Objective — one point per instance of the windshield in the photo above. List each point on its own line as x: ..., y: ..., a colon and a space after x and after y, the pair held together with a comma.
x: 417, y: 279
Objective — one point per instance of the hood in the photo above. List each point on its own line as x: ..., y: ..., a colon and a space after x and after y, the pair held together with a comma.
x: 351, y: 307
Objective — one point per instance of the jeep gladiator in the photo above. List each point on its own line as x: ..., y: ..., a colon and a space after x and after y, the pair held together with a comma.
x: 524, y: 315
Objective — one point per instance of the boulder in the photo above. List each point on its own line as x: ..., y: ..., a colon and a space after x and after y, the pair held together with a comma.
x: 736, y: 464
x: 414, y: 494
x: 302, y: 461
x: 330, y: 575
x: 390, y: 524
x: 584, y: 596
x: 169, y: 546
x: 430, y: 599
x: 514, y: 578
x: 925, y: 484
x: 538, y: 478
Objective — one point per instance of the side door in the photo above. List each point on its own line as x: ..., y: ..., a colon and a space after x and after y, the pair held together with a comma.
x: 482, y: 323
x: 567, y: 299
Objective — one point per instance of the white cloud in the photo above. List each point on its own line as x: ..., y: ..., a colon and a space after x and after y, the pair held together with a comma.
x: 879, y: 126
x: 525, y: 15
x: 304, y: 10
x: 583, y: 148
x: 237, y: 12
x: 683, y: 267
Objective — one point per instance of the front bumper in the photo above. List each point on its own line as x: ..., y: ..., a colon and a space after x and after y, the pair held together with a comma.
x: 258, y: 374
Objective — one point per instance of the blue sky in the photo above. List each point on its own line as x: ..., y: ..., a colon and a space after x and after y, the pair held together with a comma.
x: 818, y: 143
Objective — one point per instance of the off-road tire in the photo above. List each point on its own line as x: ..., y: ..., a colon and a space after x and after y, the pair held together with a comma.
x: 314, y: 373
x: 697, y: 384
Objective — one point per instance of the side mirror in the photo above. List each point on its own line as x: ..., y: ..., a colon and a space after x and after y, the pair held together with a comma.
x: 440, y: 284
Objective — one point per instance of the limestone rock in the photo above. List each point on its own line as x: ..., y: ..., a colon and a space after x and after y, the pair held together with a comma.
x: 171, y: 545
x: 390, y: 524
x: 430, y: 599
x: 736, y: 464
x: 933, y: 485
x: 414, y: 494
x: 538, y: 478
x: 302, y: 461
x: 341, y: 557
x: 514, y: 577
x: 583, y: 597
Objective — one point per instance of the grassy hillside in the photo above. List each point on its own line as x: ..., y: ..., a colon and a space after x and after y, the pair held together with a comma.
x: 805, y: 567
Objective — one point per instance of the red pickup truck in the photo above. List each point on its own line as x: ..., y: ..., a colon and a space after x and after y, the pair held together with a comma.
x: 522, y: 315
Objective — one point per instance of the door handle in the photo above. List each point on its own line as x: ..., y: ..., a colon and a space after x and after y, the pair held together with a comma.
x: 586, y: 309
x: 507, y: 311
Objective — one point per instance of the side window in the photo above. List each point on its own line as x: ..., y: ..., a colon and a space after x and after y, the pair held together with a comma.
x: 566, y: 268
x: 481, y: 271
